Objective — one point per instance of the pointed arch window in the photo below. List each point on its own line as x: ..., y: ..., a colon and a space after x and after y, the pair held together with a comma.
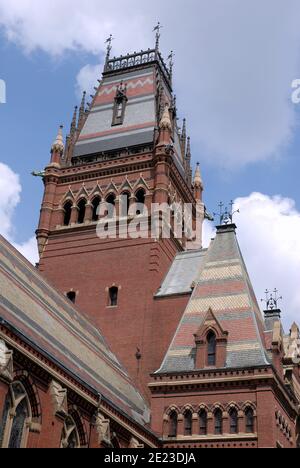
x: 218, y: 422
x: 70, y: 436
x: 67, y: 213
x: 125, y: 204
x: 211, y: 349
x: 173, y: 424
x: 111, y: 204
x: 81, y: 211
x: 249, y: 415
x: 95, y: 205
x: 188, y: 423
x: 203, y: 422
x: 234, y: 421
x: 16, y: 418
x: 140, y: 200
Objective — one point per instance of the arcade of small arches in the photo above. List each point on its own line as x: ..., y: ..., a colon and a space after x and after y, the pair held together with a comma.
x: 215, y: 421
x: 90, y: 209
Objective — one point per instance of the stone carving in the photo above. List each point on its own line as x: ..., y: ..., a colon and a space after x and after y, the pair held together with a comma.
x: 134, y: 444
x: 103, y: 428
x: 59, y: 398
x: 6, y: 362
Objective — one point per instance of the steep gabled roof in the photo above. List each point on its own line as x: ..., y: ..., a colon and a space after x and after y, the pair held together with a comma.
x: 34, y: 309
x: 223, y: 285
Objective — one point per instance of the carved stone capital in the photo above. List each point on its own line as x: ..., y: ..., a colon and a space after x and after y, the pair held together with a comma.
x: 6, y: 362
x: 59, y: 398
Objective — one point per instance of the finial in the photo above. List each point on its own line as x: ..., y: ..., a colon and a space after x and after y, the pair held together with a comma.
x: 183, y: 133
x: 198, y: 182
x: 272, y: 300
x: 109, y: 47
x: 188, y: 149
x: 225, y: 214
x: 58, y: 144
x: 157, y: 30
x: 165, y: 123
x: 171, y: 64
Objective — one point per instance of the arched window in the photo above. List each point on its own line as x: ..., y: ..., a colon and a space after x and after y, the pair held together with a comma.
x: 16, y: 418
x: 72, y: 296
x: 249, y: 415
x: 173, y: 424
x: 203, y: 422
x: 113, y: 296
x: 70, y: 436
x: 140, y: 197
x: 111, y: 203
x: 125, y: 204
x: 218, y: 422
x: 234, y: 421
x: 95, y: 204
x: 188, y: 423
x: 211, y: 349
x: 81, y: 211
x: 67, y: 213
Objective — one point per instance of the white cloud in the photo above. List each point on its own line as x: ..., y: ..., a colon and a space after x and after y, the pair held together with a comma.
x: 235, y: 61
x: 87, y: 79
x: 268, y: 233
x: 10, y: 191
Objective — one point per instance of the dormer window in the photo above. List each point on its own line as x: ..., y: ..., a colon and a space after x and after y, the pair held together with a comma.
x: 120, y: 105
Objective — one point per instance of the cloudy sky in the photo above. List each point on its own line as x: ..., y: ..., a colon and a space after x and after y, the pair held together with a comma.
x: 234, y: 65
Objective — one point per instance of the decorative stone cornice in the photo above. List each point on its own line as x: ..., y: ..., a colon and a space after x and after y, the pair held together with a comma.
x: 6, y: 362
x: 59, y: 398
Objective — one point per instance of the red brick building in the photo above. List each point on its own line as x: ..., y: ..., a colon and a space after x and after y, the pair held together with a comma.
x: 164, y: 343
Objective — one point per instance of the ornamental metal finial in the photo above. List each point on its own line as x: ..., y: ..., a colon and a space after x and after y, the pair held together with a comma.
x: 272, y: 300
x: 225, y: 214
x: 157, y: 31
x: 109, y: 47
x: 171, y: 63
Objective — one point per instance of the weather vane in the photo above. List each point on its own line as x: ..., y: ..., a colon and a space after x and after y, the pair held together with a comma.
x: 157, y: 31
x: 225, y: 214
x: 272, y: 299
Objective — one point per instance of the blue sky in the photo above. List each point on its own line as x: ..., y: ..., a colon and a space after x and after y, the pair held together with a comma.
x: 233, y: 72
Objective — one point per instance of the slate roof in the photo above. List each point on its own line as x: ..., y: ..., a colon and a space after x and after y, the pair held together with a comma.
x: 182, y: 274
x: 98, y: 135
x: 223, y: 285
x: 49, y: 321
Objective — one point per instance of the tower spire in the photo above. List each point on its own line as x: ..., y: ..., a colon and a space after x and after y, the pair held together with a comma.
x: 74, y: 122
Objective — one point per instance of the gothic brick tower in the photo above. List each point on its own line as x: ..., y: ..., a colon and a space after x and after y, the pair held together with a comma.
x: 126, y: 142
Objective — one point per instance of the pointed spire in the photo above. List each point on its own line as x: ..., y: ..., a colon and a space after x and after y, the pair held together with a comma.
x: 82, y: 110
x: 74, y: 121
x: 183, y: 138
x: 198, y: 182
x: 58, y: 144
x: 165, y: 123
